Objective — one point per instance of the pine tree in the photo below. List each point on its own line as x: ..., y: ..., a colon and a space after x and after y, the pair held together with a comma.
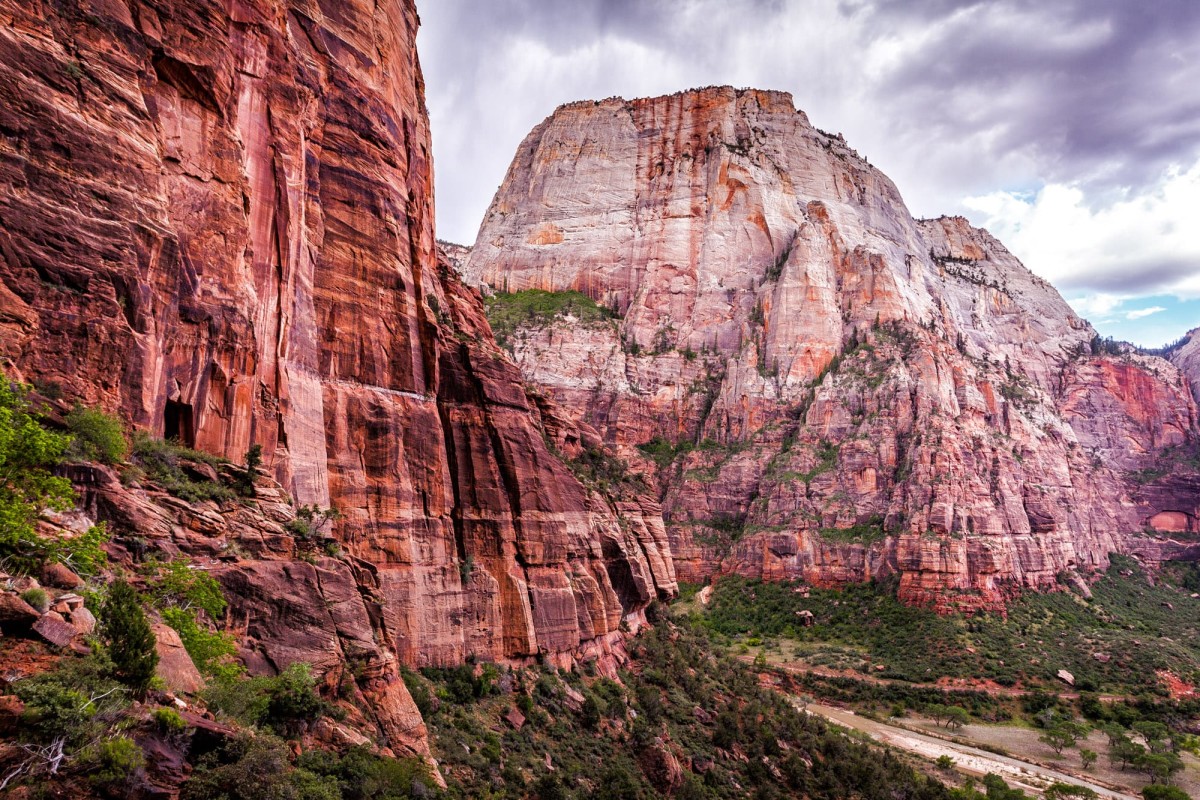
x: 130, y: 641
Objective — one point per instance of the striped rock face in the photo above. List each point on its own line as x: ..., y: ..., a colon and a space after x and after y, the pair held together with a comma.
x: 832, y: 389
x: 218, y: 222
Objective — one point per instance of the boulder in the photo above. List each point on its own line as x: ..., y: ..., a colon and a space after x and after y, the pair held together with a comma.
x: 661, y: 767
x: 175, y: 666
x: 60, y: 576
x: 514, y: 718
x: 1066, y: 677
x: 55, y: 630
x: 15, y: 612
x: 83, y: 620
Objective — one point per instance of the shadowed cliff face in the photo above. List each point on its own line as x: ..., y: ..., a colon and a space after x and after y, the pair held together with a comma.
x: 850, y: 392
x: 218, y: 220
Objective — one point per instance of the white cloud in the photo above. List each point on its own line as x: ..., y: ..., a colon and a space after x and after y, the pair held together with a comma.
x: 1139, y: 245
x: 1144, y: 312
x: 1096, y: 306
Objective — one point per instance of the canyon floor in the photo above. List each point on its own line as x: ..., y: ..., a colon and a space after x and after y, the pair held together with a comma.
x: 1029, y: 766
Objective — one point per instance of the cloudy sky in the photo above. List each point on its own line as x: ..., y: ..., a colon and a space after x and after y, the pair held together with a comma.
x: 1069, y: 128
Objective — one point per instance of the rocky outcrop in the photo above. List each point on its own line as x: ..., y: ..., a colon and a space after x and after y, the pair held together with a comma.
x: 1187, y: 358
x: 218, y: 221
x: 829, y: 388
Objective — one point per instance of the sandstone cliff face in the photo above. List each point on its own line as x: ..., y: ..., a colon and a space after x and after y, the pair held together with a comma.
x: 849, y: 392
x: 1187, y: 358
x: 218, y: 220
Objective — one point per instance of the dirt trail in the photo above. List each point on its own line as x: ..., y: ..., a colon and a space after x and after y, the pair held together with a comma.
x: 1019, y: 774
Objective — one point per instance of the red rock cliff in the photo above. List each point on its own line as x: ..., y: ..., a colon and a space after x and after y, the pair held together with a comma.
x: 850, y: 392
x: 218, y: 220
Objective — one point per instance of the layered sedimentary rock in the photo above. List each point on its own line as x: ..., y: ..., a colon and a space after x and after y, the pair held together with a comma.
x: 1187, y: 358
x: 218, y: 221
x: 832, y: 389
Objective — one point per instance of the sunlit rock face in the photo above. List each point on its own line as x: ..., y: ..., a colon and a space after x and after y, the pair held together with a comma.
x: 218, y: 221
x: 1187, y: 358
x: 850, y: 393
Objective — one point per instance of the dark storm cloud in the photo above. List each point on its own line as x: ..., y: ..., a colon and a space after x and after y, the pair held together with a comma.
x: 1150, y: 275
x: 1107, y: 91
x: 980, y: 108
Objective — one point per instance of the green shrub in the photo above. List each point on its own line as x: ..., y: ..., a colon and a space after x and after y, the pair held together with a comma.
x: 73, y: 705
x: 115, y: 761
x: 418, y: 689
x: 210, y: 651
x: 130, y: 641
x: 164, y: 463
x: 1066, y: 791
x: 37, y: 598
x: 241, y: 699
x: 255, y: 768
x: 168, y: 720
x: 362, y: 775
x: 177, y: 583
x: 663, y: 452
x: 292, y: 699
x: 83, y: 553
x: 310, y: 521
x: 460, y: 684
x: 245, y: 482
x: 536, y: 308
x: 29, y: 453
x: 97, y: 436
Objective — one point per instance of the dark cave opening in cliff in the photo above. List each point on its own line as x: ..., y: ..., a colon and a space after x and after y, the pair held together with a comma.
x: 178, y: 423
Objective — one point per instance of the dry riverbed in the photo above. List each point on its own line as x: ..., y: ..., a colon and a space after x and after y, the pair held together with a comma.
x: 1017, y: 771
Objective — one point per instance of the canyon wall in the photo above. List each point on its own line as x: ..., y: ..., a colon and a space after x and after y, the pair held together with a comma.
x: 1187, y: 358
x: 218, y: 222
x: 824, y: 387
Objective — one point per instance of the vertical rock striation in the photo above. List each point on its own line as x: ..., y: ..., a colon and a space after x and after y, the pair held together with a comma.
x: 844, y: 391
x: 218, y: 220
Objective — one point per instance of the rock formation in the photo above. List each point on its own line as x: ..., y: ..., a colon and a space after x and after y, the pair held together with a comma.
x: 1187, y: 358
x: 218, y: 221
x: 831, y: 389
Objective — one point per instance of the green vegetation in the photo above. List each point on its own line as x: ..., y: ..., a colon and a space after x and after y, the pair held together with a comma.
x: 1139, y: 629
x: 130, y: 641
x: 211, y: 651
x: 37, y: 598
x: 1106, y: 346
x: 68, y: 715
x: 245, y: 481
x: 180, y: 470
x: 29, y: 453
x: 283, y: 704
x: 598, y: 469
x: 310, y: 522
x: 114, y: 762
x: 604, y: 738
x: 862, y: 533
x: 664, y: 452
x: 536, y: 308
x: 96, y: 436
x: 83, y: 553
x: 177, y: 583
x: 168, y: 720
x: 261, y: 768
